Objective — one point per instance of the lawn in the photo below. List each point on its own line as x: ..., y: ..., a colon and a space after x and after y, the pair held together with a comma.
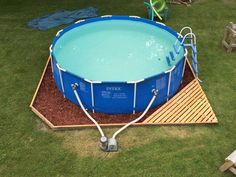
x: 28, y: 148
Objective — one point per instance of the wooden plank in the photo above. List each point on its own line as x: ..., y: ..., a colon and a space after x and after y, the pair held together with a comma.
x: 207, y: 115
x: 179, y: 106
x: 185, y: 107
x: 175, y: 109
x: 203, y: 115
x: 189, y: 64
x: 190, y: 110
x: 194, y: 113
x: 61, y: 127
x: 177, y: 97
x: 233, y: 170
x: 163, y: 110
x: 210, y: 108
x: 213, y: 118
x: 198, y: 114
x: 176, y: 114
x: 188, y: 98
x: 44, y: 119
x: 193, y: 110
x: 207, y: 104
x: 226, y: 166
x: 40, y: 81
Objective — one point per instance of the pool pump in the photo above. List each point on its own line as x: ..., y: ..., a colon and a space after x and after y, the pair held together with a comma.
x: 108, y: 145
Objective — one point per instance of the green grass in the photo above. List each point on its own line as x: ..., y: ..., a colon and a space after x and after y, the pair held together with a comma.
x: 28, y: 150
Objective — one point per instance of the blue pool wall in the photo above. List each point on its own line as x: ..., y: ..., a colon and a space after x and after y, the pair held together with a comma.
x: 118, y: 97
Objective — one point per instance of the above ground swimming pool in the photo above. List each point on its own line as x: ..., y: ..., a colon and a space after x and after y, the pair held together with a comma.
x: 117, y: 61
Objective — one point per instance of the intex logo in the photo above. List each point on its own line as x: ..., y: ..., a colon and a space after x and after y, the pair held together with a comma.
x: 113, y: 88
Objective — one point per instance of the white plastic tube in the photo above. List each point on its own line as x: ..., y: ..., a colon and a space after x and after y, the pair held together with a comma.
x: 122, y: 128
x: 139, y: 118
x: 192, y: 35
x: 85, y: 111
x: 184, y: 29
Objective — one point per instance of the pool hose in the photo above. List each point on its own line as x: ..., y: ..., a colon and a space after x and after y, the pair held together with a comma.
x: 74, y: 86
x: 110, y: 145
x: 140, y: 117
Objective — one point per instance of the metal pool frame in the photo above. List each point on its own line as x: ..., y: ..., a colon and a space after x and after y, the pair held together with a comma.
x: 119, y: 97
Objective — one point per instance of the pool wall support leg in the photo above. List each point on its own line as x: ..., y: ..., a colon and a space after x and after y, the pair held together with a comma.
x: 168, y: 90
x: 169, y: 82
x: 185, y: 60
x: 61, y: 79
x: 52, y: 66
x: 135, y: 95
x: 50, y: 56
x: 92, y: 97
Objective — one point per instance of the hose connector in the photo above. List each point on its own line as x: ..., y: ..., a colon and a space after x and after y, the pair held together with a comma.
x: 74, y: 86
x: 154, y: 92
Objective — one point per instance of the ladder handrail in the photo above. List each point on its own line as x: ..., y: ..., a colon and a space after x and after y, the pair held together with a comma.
x: 181, y: 31
x: 192, y: 45
x: 186, y: 27
x: 192, y: 35
x: 193, y: 42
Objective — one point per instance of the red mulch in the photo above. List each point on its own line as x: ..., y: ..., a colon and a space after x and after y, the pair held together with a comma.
x: 60, y: 111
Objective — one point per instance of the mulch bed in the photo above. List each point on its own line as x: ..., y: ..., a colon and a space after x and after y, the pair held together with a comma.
x: 60, y: 111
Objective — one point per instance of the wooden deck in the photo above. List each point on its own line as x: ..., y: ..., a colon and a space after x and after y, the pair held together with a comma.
x: 188, y: 106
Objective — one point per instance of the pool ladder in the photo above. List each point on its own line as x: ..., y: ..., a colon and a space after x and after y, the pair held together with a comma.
x: 189, y: 41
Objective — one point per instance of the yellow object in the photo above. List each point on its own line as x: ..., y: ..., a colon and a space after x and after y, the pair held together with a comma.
x: 161, y: 8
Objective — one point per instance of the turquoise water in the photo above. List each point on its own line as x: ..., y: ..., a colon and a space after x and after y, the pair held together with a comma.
x: 116, y: 50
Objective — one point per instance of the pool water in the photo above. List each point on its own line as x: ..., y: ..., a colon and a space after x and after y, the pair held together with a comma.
x: 116, y: 50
